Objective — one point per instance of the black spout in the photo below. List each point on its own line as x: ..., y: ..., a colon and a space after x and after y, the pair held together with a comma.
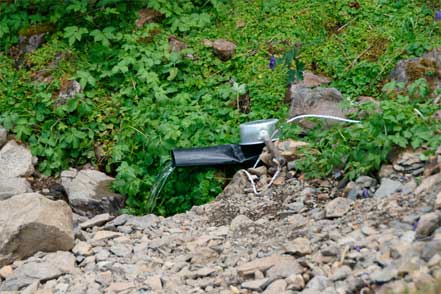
x: 230, y: 154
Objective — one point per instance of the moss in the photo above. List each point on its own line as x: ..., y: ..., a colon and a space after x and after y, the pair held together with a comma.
x: 37, y: 29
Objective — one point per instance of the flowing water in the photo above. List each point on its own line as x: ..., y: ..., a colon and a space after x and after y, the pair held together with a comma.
x: 160, y: 181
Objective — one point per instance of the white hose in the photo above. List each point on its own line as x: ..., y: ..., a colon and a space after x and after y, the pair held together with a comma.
x: 250, y: 178
x: 322, y: 116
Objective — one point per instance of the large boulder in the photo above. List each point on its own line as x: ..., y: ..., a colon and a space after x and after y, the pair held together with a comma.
x: 30, y: 223
x: 40, y: 268
x: 322, y: 101
x: 15, y: 161
x: 89, y: 192
x: 427, y: 66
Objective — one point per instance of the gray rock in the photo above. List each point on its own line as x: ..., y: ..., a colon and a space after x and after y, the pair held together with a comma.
x: 408, y: 162
x: 13, y: 186
x: 15, y: 161
x: 388, y: 187
x: 341, y: 273
x: 121, y: 250
x: 68, y: 91
x: 412, y: 69
x: 318, y: 283
x: 89, y: 192
x: 224, y: 49
x: 295, y: 282
x: 142, y: 222
x: 384, y: 275
x: 430, y: 186
x: 427, y: 224
x: 32, y: 223
x: 97, y: 220
x: 40, y: 268
x: 285, y: 267
x: 82, y: 248
x: 276, y: 287
x: 337, y: 207
x: 430, y: 249
x: 322, y: 101
x: 299, y: 246
x: 31, y: 43
x: 3, y: 136
x: 256, y: 285
x: 366, y: 182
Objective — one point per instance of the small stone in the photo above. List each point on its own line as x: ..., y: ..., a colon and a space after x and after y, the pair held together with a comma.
x: 105, y: 235
x: 119, y: 287
x: 285, y: 267
x: 204, y: 272
x: 386, y: 171
x: 384, y: 275
x: 258, y: 275
x: 352, y: 191
x: 3, y: 136
x: 368, y: 231
x: 388, y: 187
x: 317, y: 283
x: 240, y: 222
x: 6, y: 271
x: 82, y: 248
x: 97, y: 220
x: 276, y: 287
x: 121, y: 250
x: 154, y: 283
x: 263, y: 264
x: 295, y: 282
x: 142, y: 222
x: 102, y: 255
x: 428, y: 185
x: 300, y: 247
x: 427, y: 224
x: 438, y: 201
x: 337, y: 207
x: 341, y: 273
x: 435, y: 260
x: 430, y: 249
x: 366, y: 182
x: 297, y: 220
x: 104, y: 278
x: 224, y: 49
x: 69, y: 90
x: 256, y: 285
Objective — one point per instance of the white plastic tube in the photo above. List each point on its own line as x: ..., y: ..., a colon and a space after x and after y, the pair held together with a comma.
x: 322, y: 116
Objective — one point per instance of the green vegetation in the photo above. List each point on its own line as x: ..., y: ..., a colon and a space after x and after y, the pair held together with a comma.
x: 141, y: 99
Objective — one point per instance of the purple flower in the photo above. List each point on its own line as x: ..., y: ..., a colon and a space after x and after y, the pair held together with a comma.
x: 272, y: 63
x: 357, y: 248
x: 438, y: 15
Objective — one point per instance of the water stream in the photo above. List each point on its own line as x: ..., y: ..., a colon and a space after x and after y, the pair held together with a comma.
x: 160, y: 181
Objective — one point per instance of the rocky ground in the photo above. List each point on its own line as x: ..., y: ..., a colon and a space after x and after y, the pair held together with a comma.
x: 372, y: 235
x: 297, y: 237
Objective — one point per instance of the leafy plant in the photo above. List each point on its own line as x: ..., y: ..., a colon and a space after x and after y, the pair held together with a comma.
x: 141, y: 98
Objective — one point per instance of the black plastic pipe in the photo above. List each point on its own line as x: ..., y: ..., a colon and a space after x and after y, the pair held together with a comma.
x: 216, y: 155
